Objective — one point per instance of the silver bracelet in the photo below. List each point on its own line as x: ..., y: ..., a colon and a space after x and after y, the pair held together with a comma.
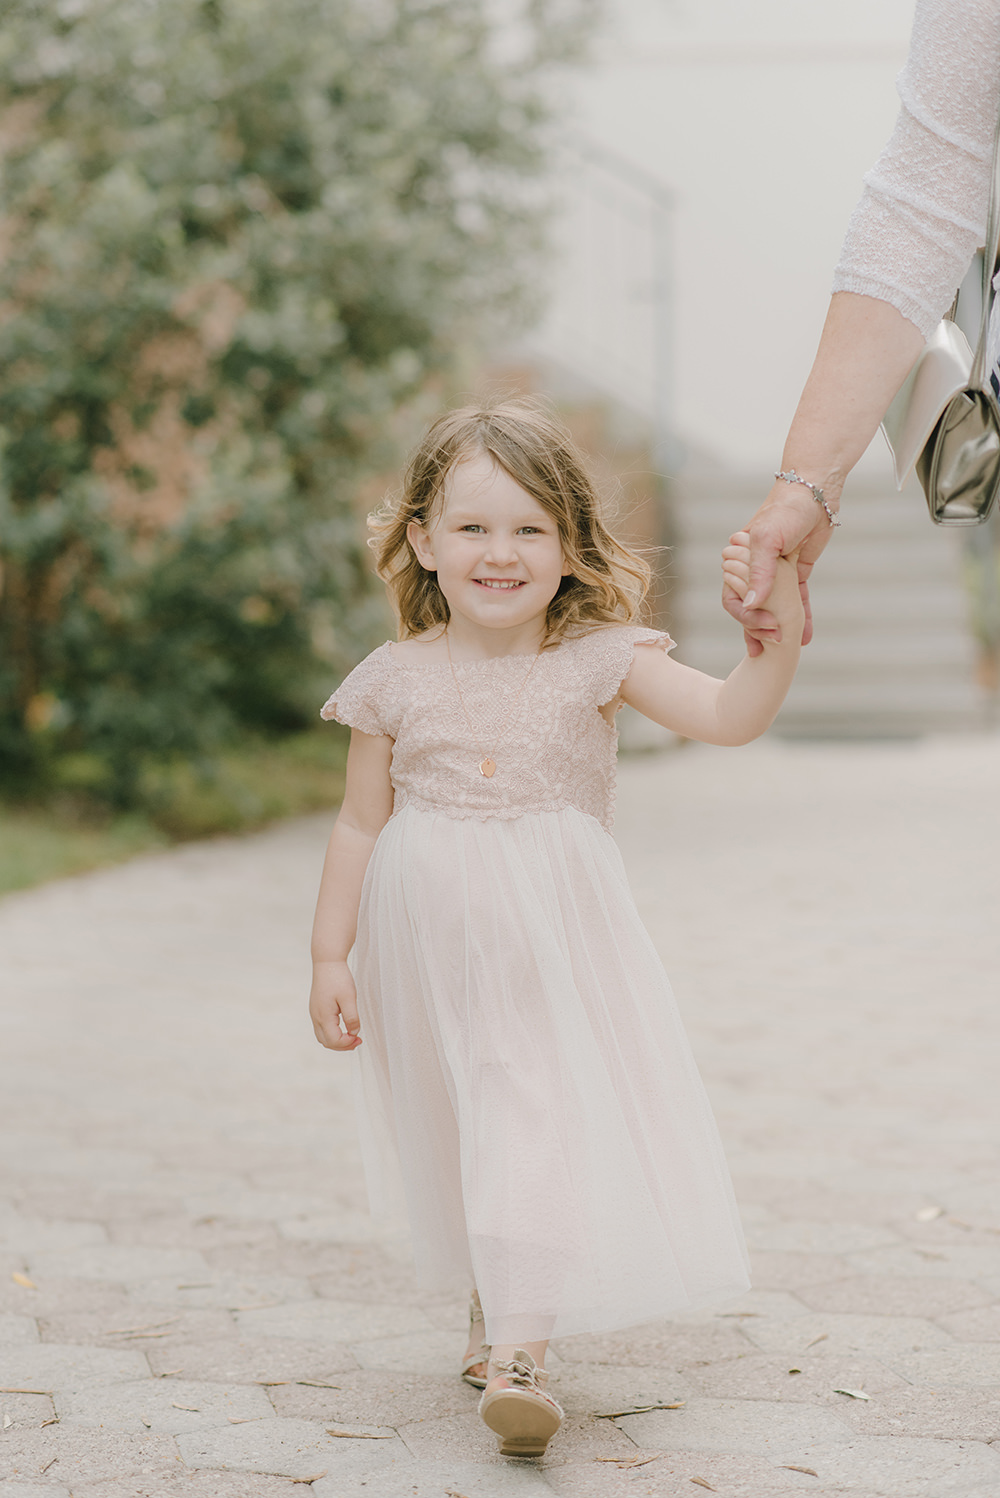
x: 791, y: 477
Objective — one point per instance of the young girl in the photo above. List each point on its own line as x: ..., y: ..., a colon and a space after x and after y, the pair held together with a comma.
x: 522, y: 1056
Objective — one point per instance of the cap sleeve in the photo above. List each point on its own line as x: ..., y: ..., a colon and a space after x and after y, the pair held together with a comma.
x: 614, y: 653
x: 361, y: 699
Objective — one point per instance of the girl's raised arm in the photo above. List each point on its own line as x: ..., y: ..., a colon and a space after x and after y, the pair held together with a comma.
x: 367, y: 806
x: 740, y: 708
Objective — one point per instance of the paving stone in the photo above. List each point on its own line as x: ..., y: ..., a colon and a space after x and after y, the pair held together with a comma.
x: 846, y: 1333
x: 817, y: 1374
x: 17, y: 1329
x: 164, y: 1405
x: 966, y: 1365
x: 115, y: 1262
x: 791, y: 1271
x: 671, y: 1475
x: 53, y: 1298
x: 428, y: 1352
x: 290, y: 1448
x: 946, y: 1414
x: 818, y: 1237
x: 598, y: 1389
x: 32, y: 1155
x: 783, y: 1432
x: 32, y: 1235
x: 906, y: 1466
x: 139, y: 1328
x: 249, y: 1205
x: 14, y: 1489
x: 777, y: 1304
x: 74, y: 1456
x: 980, y: 1325
x: 337, y: 1320
x: 434, y: 1479
x: 373, y: 1396
x: 170, y: 1231
x: 248, y: 1360
x: 206, y: 1286
x: 183, y: 1483
x: 889, y: 1295
x: 25, y: 1410
x: 47, y: 1366
x: 881, y: 1208
x: 670, y: 1343
x: 949, y: 1261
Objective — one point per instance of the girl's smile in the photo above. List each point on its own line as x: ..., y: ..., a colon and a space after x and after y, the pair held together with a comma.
x: 497, y: 555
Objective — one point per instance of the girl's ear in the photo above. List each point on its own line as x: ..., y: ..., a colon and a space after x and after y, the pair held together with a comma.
x: 420, y: 544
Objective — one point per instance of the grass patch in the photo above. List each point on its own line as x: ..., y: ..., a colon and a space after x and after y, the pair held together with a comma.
x: 243, y: 789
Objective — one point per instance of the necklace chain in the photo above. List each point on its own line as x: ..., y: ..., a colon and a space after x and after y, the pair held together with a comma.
x: 488, y: 764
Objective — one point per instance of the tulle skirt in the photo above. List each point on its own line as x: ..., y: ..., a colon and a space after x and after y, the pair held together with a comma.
x: 526, y: 1080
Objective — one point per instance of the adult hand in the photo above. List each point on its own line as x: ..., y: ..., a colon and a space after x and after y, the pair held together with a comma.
x: 789, y: 520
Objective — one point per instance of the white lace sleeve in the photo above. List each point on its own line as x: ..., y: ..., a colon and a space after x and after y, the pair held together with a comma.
x: 360, y: 700
x: 922, y: 215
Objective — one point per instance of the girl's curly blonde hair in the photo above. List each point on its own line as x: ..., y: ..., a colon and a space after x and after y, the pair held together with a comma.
x: 607, y: 582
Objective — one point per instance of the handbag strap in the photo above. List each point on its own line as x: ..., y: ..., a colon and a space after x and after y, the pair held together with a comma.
x: 979, y: 373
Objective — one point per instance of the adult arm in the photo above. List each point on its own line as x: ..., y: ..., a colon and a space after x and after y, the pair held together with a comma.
x: 909, y: 243
x: 366, y: 808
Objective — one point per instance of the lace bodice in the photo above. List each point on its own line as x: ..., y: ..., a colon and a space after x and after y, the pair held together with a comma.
x: 552, y: 746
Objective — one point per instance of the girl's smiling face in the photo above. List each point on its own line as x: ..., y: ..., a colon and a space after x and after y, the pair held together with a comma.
x: 497, y: 553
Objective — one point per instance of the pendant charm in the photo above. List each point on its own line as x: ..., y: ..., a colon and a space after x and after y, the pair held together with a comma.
x: 487, y: 767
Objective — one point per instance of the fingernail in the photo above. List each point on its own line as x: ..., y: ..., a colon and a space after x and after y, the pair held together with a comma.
x: 750, y: 600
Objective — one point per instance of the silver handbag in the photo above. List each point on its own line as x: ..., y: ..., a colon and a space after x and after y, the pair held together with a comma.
x: 945, y: 420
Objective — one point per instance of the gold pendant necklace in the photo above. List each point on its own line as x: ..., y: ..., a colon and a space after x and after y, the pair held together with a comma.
x: 488, y: 764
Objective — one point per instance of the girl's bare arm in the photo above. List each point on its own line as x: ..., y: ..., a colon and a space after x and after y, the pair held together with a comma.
x: 367, y: 807
x: 740, y: 708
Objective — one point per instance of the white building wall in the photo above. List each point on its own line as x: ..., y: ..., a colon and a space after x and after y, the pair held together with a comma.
x: 761, y: 117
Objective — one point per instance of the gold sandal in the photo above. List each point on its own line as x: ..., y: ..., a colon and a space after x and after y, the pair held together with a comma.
x: 476, y: 1359
x: 522, y: 1416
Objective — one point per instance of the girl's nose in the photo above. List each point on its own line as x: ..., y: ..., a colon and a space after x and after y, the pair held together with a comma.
x: 501, y: 549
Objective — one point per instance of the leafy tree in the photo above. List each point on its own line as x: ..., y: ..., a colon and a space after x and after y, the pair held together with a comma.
x: 238, y: 241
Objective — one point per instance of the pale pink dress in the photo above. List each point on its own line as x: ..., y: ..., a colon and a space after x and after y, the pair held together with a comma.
x: 523, y: 1058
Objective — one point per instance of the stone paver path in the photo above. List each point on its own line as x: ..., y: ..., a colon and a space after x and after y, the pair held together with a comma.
x: 193, y: 1300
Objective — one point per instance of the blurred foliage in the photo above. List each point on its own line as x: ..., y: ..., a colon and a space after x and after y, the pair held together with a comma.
x: 241, y: 788
x: 240, y: 246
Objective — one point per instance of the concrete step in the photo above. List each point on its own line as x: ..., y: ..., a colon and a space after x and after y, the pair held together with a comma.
x: 893, y: 653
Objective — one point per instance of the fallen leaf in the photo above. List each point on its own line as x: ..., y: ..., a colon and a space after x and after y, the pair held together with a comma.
x: 928, y: 1214
x: 795, y: 1370
x: 169, y: 1372
x: 641, y: 1409
x: 49, y: 1464
x: 853, y: 1393
x: 145, y: 1326
x: 10, y: 1390
x: 192, y: 1409
x: 201, y: 1285
x: 53, y: 1421
x: 7, y: 1421
x: 275, y: 1383
x: 144, y: 1336
x: 703, y: 1484
x: 256, y: 1305
x: 807, y: 1470
x: 631, y: 1461
x: 454, y: 1493
x: 311, y: 1383
x: 315, y: 1477
x: 23, y: 1281
x: 821, y: 1338
x: 358, y: 1435
x: 928, y: 1253
x: 147, y: 1423
x: 240, y: 1419
x: 737, y: 1315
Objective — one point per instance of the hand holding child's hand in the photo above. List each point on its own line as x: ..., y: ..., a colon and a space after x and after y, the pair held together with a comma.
x: 785, y: 601
x: 333, y: 1007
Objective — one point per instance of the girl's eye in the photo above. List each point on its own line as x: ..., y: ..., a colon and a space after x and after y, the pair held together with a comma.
x: 471, y: 527
x: 531, y: 530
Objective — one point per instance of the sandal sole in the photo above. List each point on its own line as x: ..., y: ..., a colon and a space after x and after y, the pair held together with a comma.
x: 522, y: 1423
